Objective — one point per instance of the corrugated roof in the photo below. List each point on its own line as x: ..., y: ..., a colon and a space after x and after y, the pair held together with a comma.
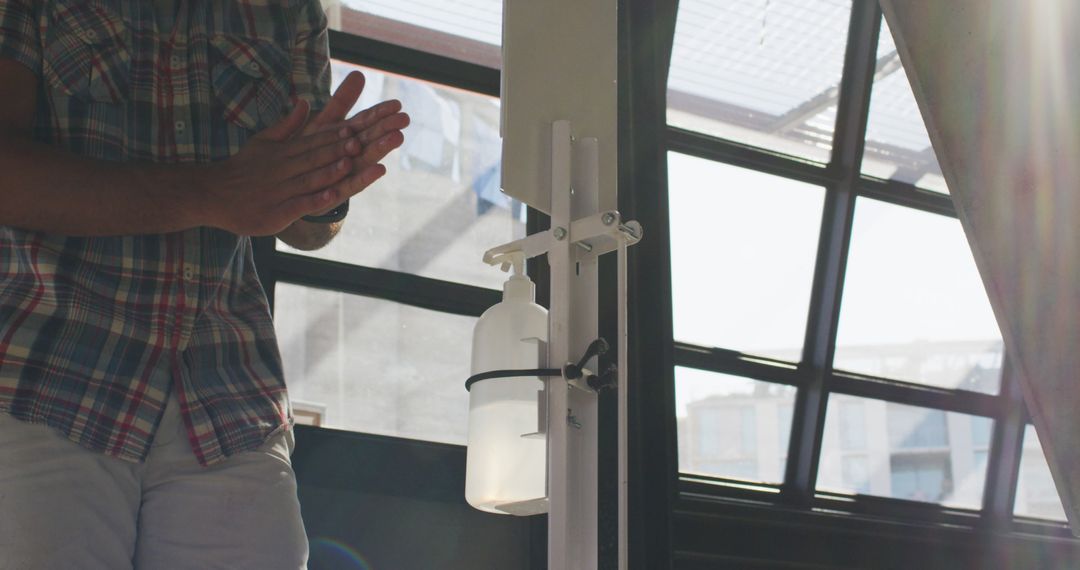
x: 763, y: 55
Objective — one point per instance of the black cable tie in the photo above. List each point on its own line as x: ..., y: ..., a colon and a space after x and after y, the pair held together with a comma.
x: 571, y: 371
x: 527, y: 373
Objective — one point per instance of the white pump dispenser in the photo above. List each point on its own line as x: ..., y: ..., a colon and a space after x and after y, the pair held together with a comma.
x: 506, y: 470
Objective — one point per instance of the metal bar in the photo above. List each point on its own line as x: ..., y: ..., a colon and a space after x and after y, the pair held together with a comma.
x: 624, y: 411
x: 414, y: 63
x: 646, y: 35
x: 886, y: 66
x: 712, y: 148
x: 907, y: 195
x: 917, y: 395
x: 573, y: 418
x: 733, y: 362
x: 809, y: 413
x: 559, y: 468
x: 1006, y: 449
x: 401, y: 288
x: 583, y: 404
x: 401, y: 31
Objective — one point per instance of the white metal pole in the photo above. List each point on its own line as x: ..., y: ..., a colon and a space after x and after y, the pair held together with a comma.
x: 572, y: 412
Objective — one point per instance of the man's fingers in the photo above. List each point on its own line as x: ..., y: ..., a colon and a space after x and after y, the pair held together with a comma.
x: 342, y: 102
x: 378, y: 150
x: 289, y: 125
x: 323, y: 200
x: 308, y: 143
x: 319, y: 157
x: 367, y: 119
x: 396, y: 122
x: 374, y: 114
x: 356, y: 183
x: 321, y: 178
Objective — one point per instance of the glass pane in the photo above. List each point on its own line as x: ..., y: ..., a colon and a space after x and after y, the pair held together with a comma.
x: 897, y: 144
x: 1036, y: 495
x: 469, y: 30
x: 732, y: 427
x: 872, y: 447
x: 914, y: 307
x: 761, y: 73
x: 742, y: 254
x: 364, y: 364
x: 439, y: 207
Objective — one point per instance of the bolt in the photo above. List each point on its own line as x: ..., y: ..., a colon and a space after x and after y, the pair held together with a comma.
x: 608, y: 219
x: 560, y: 233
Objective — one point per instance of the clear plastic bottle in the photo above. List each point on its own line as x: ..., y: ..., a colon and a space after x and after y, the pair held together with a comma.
x: 506, y: 469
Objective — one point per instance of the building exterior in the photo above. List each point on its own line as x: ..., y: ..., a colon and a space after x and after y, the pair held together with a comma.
x: 870, y: 447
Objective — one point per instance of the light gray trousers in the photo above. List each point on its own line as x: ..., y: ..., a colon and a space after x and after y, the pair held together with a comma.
x: 65, y: 507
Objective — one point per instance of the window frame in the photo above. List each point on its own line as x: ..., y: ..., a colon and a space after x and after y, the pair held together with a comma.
x: 277, y: 266
x: 813, y: 376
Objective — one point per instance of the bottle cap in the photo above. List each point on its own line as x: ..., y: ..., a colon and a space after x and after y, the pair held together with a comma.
x: 518, y: 286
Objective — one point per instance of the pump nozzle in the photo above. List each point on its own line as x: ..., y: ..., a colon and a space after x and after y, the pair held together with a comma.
x: 515, y: 259
x: 518, y: 286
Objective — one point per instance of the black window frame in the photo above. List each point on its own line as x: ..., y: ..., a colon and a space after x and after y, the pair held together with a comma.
x: 814, y: 376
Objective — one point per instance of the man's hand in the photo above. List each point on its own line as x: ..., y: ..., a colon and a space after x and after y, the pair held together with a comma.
x: 379, y: 131
x: 277, y: 177
x: 378, y: 128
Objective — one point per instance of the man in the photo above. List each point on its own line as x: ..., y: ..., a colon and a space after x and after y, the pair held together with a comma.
x: 144, y: 417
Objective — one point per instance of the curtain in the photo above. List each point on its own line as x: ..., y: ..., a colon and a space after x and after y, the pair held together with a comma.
x: 998, y: 84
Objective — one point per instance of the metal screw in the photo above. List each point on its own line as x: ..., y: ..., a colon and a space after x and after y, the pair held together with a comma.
x: 560, y: 233
x: 608, y: 219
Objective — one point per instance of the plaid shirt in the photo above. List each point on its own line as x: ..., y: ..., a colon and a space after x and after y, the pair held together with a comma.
x: 96, y: 333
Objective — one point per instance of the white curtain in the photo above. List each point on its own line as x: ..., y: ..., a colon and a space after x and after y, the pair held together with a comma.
x: 998, y: 83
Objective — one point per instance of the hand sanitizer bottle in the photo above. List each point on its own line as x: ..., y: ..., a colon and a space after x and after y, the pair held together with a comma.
x: 506, y: 470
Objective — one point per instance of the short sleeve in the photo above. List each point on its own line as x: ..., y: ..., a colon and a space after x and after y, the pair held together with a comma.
x: 311, y: 56
x: 19, y: 33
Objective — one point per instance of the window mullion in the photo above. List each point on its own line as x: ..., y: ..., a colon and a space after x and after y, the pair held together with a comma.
x: 853, y: 110
x: 1006, y: 447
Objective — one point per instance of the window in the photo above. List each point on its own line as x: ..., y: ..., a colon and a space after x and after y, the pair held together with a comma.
x: 466, y: 30
x: 375, y: 366
x: 855, y: 474
x: 921, y: 478
x: 911, y: 428
x: 827, y: 264
x: 852, y: 425
x: 770, y: 78
x: 905, y: 452
x: 1036, y: 495
x: 897, y: 144
x: 439, y: 207
x: 375, y: 329
x: 914, y: 308
x: 762, y: 230
x: 732, y: 427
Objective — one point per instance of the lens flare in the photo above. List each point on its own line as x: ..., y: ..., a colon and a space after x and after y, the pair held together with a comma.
x: 338, y: 554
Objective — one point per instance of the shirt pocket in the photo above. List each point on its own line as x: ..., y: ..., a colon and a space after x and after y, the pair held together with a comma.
x: 252, y: 80
x: 87, y: 54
